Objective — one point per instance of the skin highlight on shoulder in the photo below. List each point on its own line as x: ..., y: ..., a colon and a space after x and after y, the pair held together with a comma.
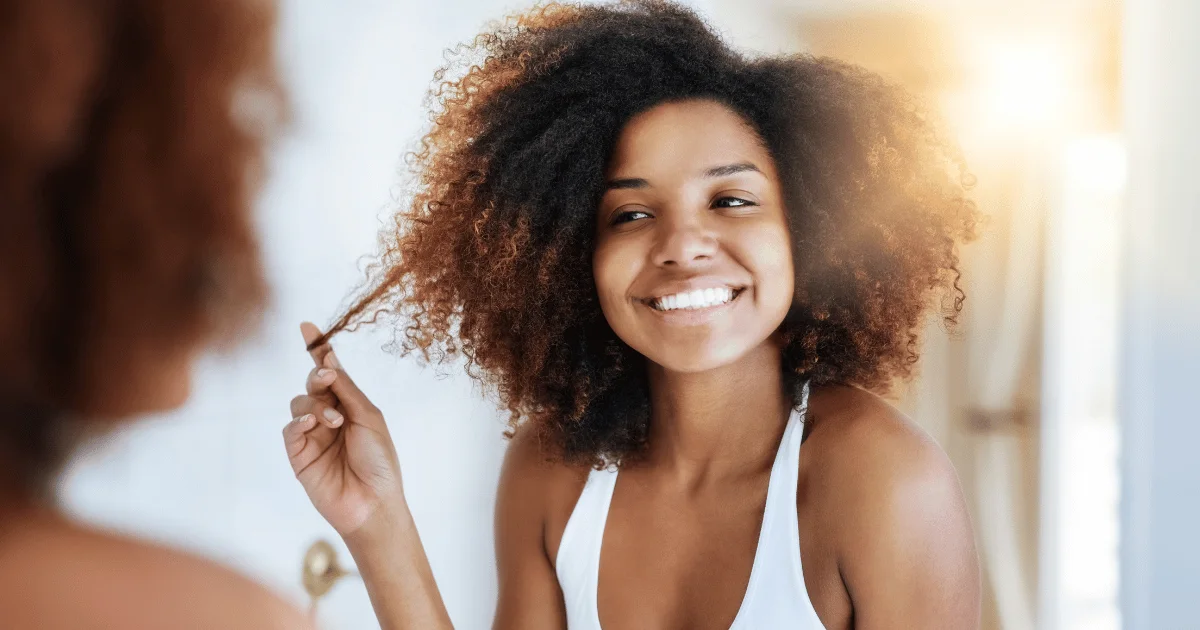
x: 887, y: 505
x: 540, y: 483
x: 121, y: 582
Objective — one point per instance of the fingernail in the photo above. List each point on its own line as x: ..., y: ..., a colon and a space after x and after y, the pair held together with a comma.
x: 333, y: 417
x: 324, y: 373
x: 332, y: 360
x: 304, y: 419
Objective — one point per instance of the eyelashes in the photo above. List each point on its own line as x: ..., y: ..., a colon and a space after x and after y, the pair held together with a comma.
x: 629, y: 216
x: 741, y: 203
x: 727, y: 201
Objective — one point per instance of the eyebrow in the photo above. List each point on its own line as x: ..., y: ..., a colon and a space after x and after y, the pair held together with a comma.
x: 730, y: 169
x: 622, y: 184
x: 716, y: 171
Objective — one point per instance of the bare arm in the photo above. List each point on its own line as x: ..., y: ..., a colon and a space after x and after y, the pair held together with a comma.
x: 342, y: 453
x: 389, y: 555
x: 530, y: 597
x: 396, y: 571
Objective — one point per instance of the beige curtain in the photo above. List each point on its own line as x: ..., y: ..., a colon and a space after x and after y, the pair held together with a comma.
x: 978, y: 393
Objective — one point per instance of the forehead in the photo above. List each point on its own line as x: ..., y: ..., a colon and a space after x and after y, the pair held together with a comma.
x: 685, y: 137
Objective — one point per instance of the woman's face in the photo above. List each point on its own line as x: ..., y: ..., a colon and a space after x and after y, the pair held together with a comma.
x: 693, y: 262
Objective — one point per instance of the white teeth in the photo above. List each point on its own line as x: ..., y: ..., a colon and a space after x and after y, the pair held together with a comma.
x: 691, y: 300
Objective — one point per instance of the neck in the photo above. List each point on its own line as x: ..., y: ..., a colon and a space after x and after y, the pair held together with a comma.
x: 722, y: 422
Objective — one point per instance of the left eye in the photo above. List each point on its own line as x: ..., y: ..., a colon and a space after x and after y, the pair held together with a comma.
x: 732, y: 202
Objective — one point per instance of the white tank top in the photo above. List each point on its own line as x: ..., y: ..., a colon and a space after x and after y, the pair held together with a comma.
x: 775, y: 596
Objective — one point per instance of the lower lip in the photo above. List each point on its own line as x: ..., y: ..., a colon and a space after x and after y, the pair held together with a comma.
x: 694, y: 317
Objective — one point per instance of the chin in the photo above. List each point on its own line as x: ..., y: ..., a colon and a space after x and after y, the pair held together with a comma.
x: 165, y: 391
x: 168, y: 392
x: 173, y: 396
x: 696, y: 359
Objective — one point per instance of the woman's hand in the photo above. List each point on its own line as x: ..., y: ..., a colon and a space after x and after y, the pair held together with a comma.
x: 344, y: 457
x: 339, y: 445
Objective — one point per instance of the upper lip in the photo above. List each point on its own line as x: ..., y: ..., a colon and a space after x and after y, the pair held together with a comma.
x: 692, y: 284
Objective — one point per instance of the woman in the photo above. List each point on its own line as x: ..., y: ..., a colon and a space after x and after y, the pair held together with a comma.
x: 128, y: 163
x: 687, y: 274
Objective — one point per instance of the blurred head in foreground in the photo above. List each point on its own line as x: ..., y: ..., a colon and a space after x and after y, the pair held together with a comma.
x: 132, y: 135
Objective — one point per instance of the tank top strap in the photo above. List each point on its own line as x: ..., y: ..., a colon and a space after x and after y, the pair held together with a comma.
x: 577, y: 563
x: 777, y: 596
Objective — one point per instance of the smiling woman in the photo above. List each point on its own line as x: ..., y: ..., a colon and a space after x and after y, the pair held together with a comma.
x: 675, y: 265
x: 686, y: 215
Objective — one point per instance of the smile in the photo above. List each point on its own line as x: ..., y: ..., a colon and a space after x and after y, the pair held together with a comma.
x: 694, y: 300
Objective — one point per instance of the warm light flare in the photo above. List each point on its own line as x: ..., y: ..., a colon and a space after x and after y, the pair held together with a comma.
x: 1025, y: 82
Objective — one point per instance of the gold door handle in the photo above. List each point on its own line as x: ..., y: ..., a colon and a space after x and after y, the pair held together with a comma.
x: 320, y: 571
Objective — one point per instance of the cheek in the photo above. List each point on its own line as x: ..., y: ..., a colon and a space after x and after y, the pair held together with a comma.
x: 782, y: 266
x: 768, y: 251
x: 614, y: 266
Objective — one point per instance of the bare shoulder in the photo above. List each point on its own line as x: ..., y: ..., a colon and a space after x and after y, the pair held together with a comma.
x: 535, y: 481
x: 892, y: 512
x: 865, y: 448
x: 535, y: 498
x: 61, y: 575
x: 537, y: 459
x: 532, y: 466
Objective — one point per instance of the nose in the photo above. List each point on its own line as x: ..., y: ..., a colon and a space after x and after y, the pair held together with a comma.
x: 684, y: 243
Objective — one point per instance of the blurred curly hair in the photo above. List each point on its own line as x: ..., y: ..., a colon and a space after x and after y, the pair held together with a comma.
x: 132, y: 139
x: 491, y: 258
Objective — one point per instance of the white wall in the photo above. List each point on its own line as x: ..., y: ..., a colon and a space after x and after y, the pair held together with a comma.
x: 213, y: 476
x: 1160, y: 512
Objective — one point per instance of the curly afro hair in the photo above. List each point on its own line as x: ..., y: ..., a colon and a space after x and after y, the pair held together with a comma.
x: 491, y: 259
x: 132, y: 136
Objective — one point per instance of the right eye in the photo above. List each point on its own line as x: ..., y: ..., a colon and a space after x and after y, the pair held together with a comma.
x: 629, y: 216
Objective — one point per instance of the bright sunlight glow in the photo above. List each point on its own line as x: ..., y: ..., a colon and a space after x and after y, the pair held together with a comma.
x: 1026, y: 83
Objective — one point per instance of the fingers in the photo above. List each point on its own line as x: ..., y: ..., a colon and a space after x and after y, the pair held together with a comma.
x: 311, y: 333
x: 319, y: 380
x: 295, y: 433
x: 306, y: 440
x: 319, y: 409
x: 322, y: 355
x: 342, y: 386
x: 347, y: 392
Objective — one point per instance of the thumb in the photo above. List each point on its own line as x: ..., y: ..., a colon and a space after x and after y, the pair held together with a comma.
x: 351, y: 398
x: 349, y: 395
